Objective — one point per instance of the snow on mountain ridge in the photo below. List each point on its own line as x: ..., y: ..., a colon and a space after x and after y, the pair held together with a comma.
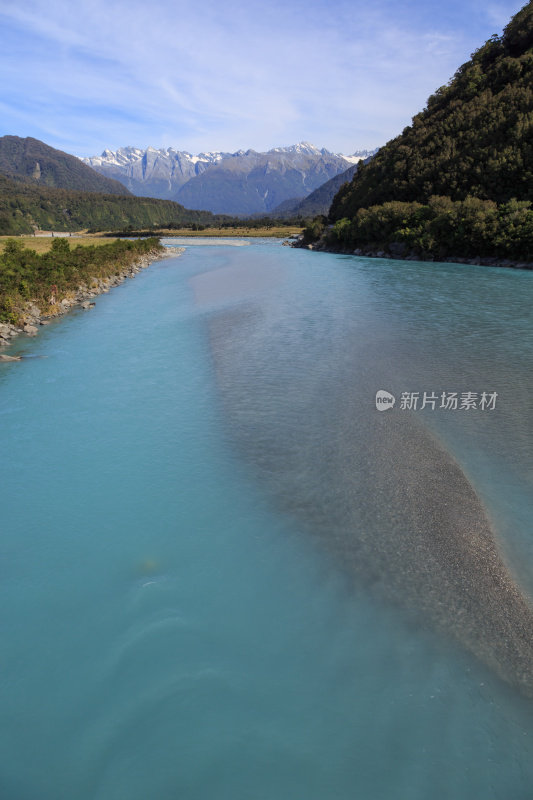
x: 246, y: 181
x: 352, y: 159
x: 306, y: 148
x: 129, y: 155
x: 301, y: 147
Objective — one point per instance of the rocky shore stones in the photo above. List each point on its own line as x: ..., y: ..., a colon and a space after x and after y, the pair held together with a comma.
x: 33, y: 317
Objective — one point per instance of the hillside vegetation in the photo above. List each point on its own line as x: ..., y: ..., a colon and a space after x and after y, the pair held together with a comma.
x: 35, y: 162
x: 24, y: 206
x: 460, y: 178
x: 47, y: 278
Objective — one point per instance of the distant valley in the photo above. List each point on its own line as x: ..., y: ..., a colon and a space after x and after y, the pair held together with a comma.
x: 130, y: 188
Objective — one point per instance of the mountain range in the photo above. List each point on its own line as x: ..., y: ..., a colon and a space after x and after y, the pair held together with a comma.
x: 240, y: 183
x: 41, y: 187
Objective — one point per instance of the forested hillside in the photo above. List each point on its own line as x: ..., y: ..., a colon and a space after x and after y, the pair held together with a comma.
x: 24, y: 206
x: 474, y: 141
x: 35, y: 162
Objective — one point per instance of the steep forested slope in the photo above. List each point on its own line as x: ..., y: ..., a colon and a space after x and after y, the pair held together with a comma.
x: 474, y: 138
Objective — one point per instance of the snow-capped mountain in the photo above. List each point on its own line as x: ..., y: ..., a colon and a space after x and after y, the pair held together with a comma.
x: 126, y: 156
x: 360, y: 155
x: 309, y: 149
x: 152, y: 172
x: 245, y: 182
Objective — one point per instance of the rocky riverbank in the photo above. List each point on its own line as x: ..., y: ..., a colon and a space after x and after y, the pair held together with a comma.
x: 399, y: 252
x: 34, y: 316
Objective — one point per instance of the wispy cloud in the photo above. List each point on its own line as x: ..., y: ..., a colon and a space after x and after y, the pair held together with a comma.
x: 211, y: 75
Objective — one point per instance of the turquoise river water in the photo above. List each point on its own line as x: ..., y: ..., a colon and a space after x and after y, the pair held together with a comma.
x: 198, y: 546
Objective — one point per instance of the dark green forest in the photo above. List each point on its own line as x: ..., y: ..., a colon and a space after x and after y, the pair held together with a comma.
x: 24, y: 206
x: 473, y: 142
x: 441, y: 228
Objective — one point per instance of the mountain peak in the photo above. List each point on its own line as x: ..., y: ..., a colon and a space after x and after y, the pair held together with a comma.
x: 301, y: 148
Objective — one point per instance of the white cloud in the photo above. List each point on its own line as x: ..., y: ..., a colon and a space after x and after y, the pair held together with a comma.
x: 223, y: 76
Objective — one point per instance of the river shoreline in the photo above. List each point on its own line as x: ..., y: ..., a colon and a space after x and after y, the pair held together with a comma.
x: 396, y: 255
x: 83, y: 297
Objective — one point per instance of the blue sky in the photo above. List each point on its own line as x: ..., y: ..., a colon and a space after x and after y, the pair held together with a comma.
x: 227, y: 75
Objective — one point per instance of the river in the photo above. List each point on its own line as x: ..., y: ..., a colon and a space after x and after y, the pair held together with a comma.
x: 226, y: 575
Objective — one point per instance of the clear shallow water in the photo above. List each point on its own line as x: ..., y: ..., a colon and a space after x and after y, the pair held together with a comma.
x: 169, y: 628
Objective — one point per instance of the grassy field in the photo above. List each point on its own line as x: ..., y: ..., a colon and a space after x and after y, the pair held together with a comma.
x: 42, y: 244
x: 280, y: 232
